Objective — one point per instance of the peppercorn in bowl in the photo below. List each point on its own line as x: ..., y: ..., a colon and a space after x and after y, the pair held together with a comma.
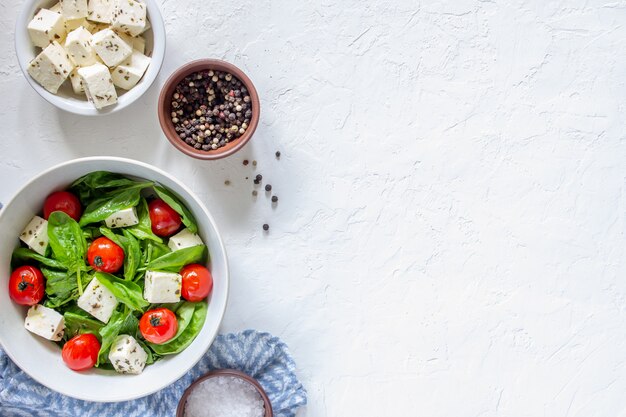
x: 90, y: 57
x: 208, y: 109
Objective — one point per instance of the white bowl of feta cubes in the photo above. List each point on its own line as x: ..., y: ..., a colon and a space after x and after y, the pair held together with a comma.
x: 90, y: 57
x: 40, y: 358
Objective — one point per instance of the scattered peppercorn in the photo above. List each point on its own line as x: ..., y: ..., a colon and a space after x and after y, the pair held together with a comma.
x: 254, y: 192
x: 246, y: 162
x: 227, y: 182
x: 274, y: 199
x: 266, y: 227
x: 210, y: 109
x: 253, y: 163
x: 278, y: 154
x: 268, y: 187
x: 259, y: 177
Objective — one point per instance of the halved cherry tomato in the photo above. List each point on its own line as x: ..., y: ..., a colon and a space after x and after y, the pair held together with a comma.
x: 165, y: 220
x: 62, y: 201
x: 158, y: 325
x: 26, y: 285
x: 105, y: 256
x: 81, y: 352
x: 197, y: 282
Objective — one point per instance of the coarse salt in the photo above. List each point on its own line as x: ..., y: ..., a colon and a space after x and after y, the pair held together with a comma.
x: 224, y: 396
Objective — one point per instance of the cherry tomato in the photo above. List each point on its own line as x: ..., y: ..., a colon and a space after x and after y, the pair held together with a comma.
x: 165, y: 221
x: 81, y: 352
x: 26, y: 285
x: 62, y: 201
x: 158, y: 325
x: 197, y: 282
x: 105, y: 256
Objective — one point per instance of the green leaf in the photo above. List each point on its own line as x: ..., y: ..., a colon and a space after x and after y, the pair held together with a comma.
x: 143, y: 230
x: 184, y: 315
x: 186, y: 216
x: 151, y: 357
x: 68, y: 244
x: 132, y: 249
x: 61, y: 287
x: 174, y: 261
x: 91, y: 233
x: 112, y: 202
x: 108, y: 334
x: 22, y: 255
x: 183, y: 340
x: 77, y: 323
x: 95, y: 183
x: 127, y: 292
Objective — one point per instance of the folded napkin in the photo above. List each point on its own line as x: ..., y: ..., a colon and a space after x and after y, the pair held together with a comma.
x: 259, y: 355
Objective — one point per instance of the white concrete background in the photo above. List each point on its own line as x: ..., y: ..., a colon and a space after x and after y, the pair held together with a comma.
x: 450, y: 237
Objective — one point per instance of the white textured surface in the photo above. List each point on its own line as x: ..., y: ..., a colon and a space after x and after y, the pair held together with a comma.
x: 450, y: 235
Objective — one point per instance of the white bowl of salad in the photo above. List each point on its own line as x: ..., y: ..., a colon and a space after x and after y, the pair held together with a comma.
x: 115, y: 278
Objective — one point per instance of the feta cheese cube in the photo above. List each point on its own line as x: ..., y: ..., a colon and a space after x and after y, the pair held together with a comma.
x: 100, y: 11
x: 77, y: 82
x: 56, y: 8
x: 78, y: 46
x: 45, y: 322
x: 128, y: 73
x: 46, y: 27
x: 110, y: 47
x: 184, y: 239
x: 98, y: 85
x: 122, y: 218
x: 127, y: 356
x: 162, y: 287
x: 129, y: 16
x: 70, y: 25
x: 35, y: 235
x: 51, y: 67
x: 98, y: 301
x: 74, y: 9
x: 139, y: 44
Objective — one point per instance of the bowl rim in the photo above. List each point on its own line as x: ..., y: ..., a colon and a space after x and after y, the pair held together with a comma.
x: 163, y: 109
x: 180, y: 410
x: 21, y: 38
x: 172, y: 377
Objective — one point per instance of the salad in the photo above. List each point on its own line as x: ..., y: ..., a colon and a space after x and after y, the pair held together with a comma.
x: 114, y: 273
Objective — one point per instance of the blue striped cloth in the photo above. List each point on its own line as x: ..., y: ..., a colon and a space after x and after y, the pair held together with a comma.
x: 260, y: 355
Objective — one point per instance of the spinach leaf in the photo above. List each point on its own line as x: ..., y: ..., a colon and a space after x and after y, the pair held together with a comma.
x: 153, y: 250
x: 127, y: 292
x: 68, y: 244
x: 184, y: 339
x: 110, y: 234
x: 96, y: 182
x: 174, y: 261
x: 108, y: 334
x: 61, y: 287
x: 21, y: 255
x: 91, y: 233
x: 186, y: 216
x: 112, y: 202
x: 184, y: 314
x: 77, y: 323
x: 143, y: 230
x: 133, y: 255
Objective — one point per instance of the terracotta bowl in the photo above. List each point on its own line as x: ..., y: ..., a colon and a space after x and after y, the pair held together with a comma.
x: 165, y: 108
x: 180, y: 411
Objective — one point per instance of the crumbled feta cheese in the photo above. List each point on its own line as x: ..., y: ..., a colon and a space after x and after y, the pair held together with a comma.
x: 184, y: 239
x: 110, y: 47
x: 77, y: 82
x: 100, y: 11
x: 129, y: 16
x: 35, y: 235
x: 128, y: 73
x: 46, y: 27
x: 98, y: 301
x: 45, y: 322
x: 127, y: 356
x: 78, y: 46
x: 122, y: 218
x: 162, y: 287
x: 98, y: 85
x: 74, y: 9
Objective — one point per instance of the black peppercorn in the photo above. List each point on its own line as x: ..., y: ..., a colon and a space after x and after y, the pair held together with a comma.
x: 266, y: 227
x: 245, y: 162
x: 277, y: 154
x: 268, y: 187
x: 274, y: 199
